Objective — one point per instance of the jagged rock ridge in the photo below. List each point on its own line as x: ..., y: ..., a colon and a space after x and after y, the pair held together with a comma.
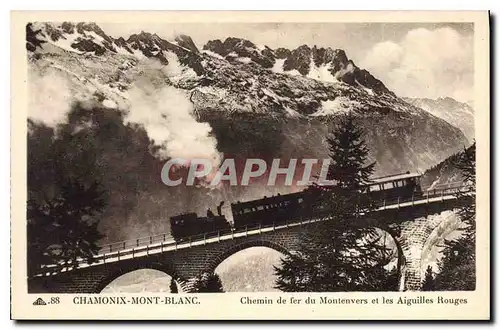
x: 237, y: 76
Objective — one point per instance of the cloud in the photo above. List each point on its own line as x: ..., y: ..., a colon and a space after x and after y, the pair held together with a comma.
x: 425, y: 63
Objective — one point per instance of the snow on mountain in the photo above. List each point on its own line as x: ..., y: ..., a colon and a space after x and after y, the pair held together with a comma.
x: 317, y: 63
x: 228, y: 99
x: 458, y: 114
x: 277, y: 102
x: 339, y: 105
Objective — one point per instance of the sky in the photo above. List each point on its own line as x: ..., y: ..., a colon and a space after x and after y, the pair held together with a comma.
x: 413, y: 59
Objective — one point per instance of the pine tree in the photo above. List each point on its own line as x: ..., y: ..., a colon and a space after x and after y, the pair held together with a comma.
x: 429, y: 282
x: 467, y: 164
x: 173, y: 286
x: 39, y: 238
x: 207, y: 282
x: 338, y: 254
x: 63, y: 229
x: 457, y: 268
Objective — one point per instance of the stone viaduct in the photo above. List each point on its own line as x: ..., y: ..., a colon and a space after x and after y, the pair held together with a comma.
x: 410, y: 226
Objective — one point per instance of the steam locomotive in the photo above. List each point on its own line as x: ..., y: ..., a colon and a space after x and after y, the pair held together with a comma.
x: 279, y: 209
x: 189, y: 224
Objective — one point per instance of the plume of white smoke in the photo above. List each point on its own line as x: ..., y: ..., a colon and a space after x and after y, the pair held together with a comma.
x: 165, y: 112
x: 167, y: 115
x: 50, y: 97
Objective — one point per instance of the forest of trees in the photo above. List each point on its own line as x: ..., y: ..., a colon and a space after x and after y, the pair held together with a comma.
x: 206, y: 282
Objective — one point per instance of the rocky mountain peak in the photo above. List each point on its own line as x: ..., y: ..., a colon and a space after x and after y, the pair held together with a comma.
x: 450, y: 100
x: 186, y: 42
x: 239, y: 49
x: 256, y: 96
x: 230, y: 44
x: 299, y: 59
x: 150, y: 45
x: 92, y: 27
x: 142, y: 37
x: 282, y: 53
x: 325, y: 64
x: 82, y: 36
x: 314, y: 62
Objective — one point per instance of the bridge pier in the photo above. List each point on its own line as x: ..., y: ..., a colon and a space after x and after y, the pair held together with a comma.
x: 414, y: 236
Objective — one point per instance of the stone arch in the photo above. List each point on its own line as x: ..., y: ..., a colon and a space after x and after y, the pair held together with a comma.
x: 116, y: 273
x: 401, y: 257
x: 415, y: 234
x: 436, y: 232
x: 217, y: 260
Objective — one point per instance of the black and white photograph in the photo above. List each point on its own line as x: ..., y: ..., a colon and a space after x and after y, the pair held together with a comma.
x: 251, y: 157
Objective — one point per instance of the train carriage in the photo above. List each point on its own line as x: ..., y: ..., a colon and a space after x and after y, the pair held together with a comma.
x: 404, y: 186
x: 280, y: 209
x: 268, y: 210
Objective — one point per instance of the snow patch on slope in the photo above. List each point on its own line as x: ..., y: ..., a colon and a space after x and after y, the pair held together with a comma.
x: 320, y: 73
x: 245, y: 60
x: 273, y: 95
x: 278, y: 66
x: 339, y: 105
x: 109, y: 104
x: 208, y: 52
x: 175, y: 70
x: 369, y: 91
x: 294, y: 73
x: 213, y: 90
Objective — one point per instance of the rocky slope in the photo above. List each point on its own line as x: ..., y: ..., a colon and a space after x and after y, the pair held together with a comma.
x: 229, y: 98
x: 458, y: 114
x: 447, y: 173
